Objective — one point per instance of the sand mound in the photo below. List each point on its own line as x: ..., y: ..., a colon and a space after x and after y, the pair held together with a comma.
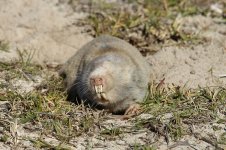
x: 44, y: 28
x: 196, y: 65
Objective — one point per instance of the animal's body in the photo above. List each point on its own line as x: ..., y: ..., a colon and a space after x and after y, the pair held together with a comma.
x: 107, y: 72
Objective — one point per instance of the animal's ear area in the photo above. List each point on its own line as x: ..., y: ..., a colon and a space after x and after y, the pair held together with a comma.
x: 62, y: 73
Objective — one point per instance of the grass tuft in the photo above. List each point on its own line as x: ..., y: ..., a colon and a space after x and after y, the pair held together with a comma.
x: 186, y: 108
x: 4, y: 46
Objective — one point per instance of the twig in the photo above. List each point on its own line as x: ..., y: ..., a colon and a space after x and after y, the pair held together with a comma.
x: 222, y: 76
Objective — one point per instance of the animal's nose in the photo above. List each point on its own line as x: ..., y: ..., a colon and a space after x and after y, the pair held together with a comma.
x: 95, y: 81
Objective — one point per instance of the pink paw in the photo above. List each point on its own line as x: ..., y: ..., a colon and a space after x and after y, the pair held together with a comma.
x: 133, y: 109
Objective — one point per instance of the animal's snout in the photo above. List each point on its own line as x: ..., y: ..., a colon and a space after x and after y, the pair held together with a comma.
x: 96, y: 81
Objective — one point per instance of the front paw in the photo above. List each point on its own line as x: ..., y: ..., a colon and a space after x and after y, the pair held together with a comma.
x: 133, y: 109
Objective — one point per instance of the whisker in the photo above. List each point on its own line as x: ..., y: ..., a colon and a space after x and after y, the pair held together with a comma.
x: 77, y: 83
x: 84, y: 91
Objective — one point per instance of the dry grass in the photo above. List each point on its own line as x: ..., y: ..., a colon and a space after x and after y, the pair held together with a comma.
x: 4, y: 46
x: 148, y: 25
x: 46, y: 111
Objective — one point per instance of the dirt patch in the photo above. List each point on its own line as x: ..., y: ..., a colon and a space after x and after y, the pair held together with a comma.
x: 43, y: 28
x: 199, y: 65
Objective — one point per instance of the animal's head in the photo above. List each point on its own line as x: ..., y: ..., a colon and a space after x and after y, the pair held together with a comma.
x: 106, y: 79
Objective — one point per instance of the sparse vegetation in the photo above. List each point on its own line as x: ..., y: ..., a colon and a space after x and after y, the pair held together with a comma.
x: 46, y: 110
x: 4, y: 46
x: 185, y: 108
x: 174, y: 111
x: 149, y: 25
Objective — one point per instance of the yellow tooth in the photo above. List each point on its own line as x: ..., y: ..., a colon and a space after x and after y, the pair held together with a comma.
x: 103, y: 95
x: 96, y: 90
x: 99, y: 95
x: 101, y: 88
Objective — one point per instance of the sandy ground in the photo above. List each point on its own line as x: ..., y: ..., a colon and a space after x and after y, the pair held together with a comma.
x: 48, y: 31
x: 43, y: 28
x: 199, y: 65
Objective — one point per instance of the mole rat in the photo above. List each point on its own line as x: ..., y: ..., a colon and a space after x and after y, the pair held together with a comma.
x: 108, y: 73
